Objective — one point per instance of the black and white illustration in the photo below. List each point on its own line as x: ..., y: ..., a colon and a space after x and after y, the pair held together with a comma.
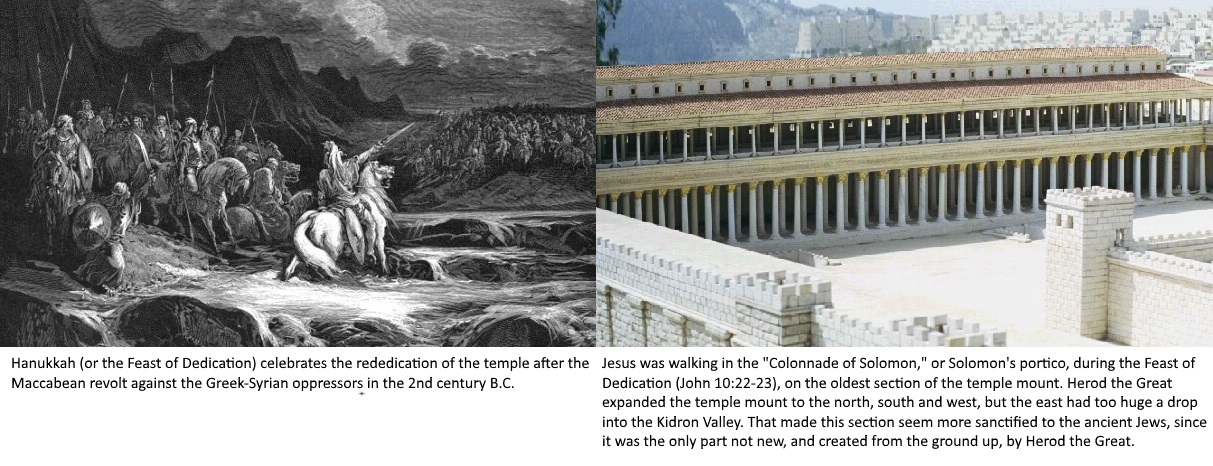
x: 296, y: 173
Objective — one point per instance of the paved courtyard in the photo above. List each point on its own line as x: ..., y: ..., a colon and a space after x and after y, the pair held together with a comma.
x: 994, y: 281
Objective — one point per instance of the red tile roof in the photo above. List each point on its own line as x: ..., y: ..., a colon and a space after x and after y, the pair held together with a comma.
x: 672, y: 107
x: 813, y: 64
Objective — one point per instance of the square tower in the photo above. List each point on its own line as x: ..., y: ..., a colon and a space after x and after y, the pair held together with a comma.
x: 1081, y: 226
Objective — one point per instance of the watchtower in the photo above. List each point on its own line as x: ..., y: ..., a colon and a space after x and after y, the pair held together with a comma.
x: 1082, y: 225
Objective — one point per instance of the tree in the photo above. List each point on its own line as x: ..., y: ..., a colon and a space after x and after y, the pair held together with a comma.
x: 608, y: 10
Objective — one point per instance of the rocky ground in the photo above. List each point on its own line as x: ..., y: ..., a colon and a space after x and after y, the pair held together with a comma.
x: 156, y: 304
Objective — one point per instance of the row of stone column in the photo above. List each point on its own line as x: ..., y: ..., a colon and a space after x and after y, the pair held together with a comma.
x: 833, y: 204
x: 825, y: 135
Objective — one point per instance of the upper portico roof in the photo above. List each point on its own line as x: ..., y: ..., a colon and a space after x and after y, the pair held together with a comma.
x: 620, y: 73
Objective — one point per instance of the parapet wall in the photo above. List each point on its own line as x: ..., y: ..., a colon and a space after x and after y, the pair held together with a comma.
x: 1196, y: 245
x: 838, y: 328
x: 1158, y: 299
x: 1153, y: 291
x: 659, y: 287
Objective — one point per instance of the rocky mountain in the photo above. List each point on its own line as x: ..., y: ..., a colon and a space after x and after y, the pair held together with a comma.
x: 348, y: 99
x: 292, y: 108
x: 676, y: 31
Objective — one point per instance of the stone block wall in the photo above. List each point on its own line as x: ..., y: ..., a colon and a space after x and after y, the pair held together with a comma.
x: 829, y: 327
x: 659, y: 287
x: 1081, y: 226
x: 1157, y: 299
x: 1196, y: 245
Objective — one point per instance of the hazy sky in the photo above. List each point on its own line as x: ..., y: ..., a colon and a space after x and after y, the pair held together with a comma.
x: 943, y: 7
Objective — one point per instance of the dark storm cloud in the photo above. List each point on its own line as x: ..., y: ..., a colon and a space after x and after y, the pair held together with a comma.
x: 464, y: 45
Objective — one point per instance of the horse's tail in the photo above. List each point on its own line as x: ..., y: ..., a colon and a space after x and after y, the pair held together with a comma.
x: 309, y: 253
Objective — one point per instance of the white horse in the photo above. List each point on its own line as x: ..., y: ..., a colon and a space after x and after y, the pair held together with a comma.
x: 320, y: 236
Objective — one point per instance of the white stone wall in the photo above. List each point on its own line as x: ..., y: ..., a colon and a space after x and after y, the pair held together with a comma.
x: 1081, y: 225
x: 1197, y: 245
x: 829, y: 327
x: 1154, y: 291
x: 648, y: 276
x: 1156, y: 299
x: 659, y: 287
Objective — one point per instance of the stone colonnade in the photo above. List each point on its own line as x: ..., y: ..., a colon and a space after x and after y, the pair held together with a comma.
x: 796, y: 206
x: 731, y: 142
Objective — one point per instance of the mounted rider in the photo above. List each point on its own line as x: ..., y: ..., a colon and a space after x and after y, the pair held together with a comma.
x: 337, y: 186
x: 190, y: 155
x: 65, y: 145
x: 160, y: 141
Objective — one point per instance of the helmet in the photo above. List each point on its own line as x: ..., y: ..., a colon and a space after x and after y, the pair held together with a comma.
x: 120, y: 189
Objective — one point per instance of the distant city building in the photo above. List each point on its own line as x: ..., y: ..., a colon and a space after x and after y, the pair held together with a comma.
x: 1178, y: 33
x: 832, y: 36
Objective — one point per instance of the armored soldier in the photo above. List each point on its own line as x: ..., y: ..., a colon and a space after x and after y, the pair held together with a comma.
x: 63, y: 143
x: 190, y: 154
x: 161, y: 141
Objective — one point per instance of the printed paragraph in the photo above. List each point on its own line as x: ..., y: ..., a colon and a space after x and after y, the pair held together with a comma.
x: 908, y: 402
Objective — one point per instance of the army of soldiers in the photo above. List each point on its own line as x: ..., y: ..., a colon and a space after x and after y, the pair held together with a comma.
x: 30, y: 143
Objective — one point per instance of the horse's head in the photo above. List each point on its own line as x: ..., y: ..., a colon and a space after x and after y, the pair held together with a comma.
x: 383, y: 174
x: 290, y: 171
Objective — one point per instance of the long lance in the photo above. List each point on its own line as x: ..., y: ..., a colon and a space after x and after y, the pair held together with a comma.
x: 66, y: 66
x: 41, y: 87
x: 172, y: 95
x: 252, y: 122
x: 221, y: 110
x: 210, y: 91
x: 118, y: 108
x: 152, y: 86
x: 8, y: 111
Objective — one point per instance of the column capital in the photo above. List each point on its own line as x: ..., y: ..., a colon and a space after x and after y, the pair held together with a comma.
x: 943, y: 167
x: 685, y: 190
x: 1036, y: 161
x: 903, y: 172
x: 615, y: 196
x: 1018, y: 163
x: 821, y: 180
x: 709, y: 189
x: 999, y: 164
x: 754, y: 184
x: 799, y: 181
x: 638, y: 193
x: 732, y: 188
x: 842, y: 180
x: 981, y: 166
x: 884, y: 175
x: 962, y: 167
x: 662, y: 192
x: 924, y: 171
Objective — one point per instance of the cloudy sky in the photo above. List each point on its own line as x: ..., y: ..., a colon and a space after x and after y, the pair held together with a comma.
x: 508, y: 42
x: 945, y: 7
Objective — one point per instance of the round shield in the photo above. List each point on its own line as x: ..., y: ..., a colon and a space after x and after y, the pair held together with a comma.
x: 91, y: 226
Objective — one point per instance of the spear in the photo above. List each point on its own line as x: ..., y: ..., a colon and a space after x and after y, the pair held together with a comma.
x: 41, y: 87
x: 210, y: 91
x: 66, y: 66
x: 152, y: 87
x: 118, y: 108
x: 253, y: 125
x: 8, y: 111
x: 172, y: 95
